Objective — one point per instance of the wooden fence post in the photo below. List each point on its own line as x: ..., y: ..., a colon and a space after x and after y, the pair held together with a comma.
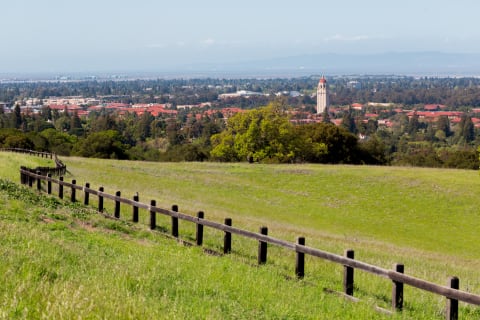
x: 22, y: 175
x: 49, y: 183
x: 348, y: 274
x: 262, y: 247
x: 175, y: 222
x: 397, y: 290
x: 86, y: 197
x: 39, y: 182
x: 452, y: 304
x: 227, y: 238
x: 60, y: 188
x: 100, y: 200
x: 300, y: 261
x: 135, y: 208
x: 72, y: 194
x: 199, y: 233
x: 153, y: 216
x: 30, y: 180
x: 117, y: 204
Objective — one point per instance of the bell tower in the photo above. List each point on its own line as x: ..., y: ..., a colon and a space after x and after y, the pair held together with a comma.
x: 322, y: 96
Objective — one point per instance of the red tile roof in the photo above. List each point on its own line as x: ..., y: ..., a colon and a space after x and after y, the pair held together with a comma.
x: 116, y: 105
x: 63, y: 106
x: 357, y: 105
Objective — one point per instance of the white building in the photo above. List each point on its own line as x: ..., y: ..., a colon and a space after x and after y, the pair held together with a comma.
x: 322, y: 96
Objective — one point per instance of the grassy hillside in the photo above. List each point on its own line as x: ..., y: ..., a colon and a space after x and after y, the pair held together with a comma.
x: 373, y: 204
x: 61, y: 261
x: 425, y: 218
x: 11, y: 162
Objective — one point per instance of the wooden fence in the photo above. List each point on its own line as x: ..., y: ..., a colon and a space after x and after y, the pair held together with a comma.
x: 451, y: 292
x: 59, y: 169
x: 29, y: 152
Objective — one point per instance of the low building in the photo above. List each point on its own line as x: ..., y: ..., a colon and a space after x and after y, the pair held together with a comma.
x: 241, y: 93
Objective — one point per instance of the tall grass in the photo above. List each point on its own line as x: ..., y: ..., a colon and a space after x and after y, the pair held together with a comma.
x: 424, y: 218
x: 59, y: 265
x: 10, y: 164
x: 372, y: 204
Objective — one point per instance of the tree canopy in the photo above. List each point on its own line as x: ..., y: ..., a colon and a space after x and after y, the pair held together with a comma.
x: 259, y: 135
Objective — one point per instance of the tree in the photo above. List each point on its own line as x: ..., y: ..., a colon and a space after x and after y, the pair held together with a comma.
x: 59, y: 142
x: 46, y: 113
x: 104, y: 144
x: 348, y: 121
x: 102, y: 122
x: 143, y: 127
x: 14, y: 138
x: 16, y: 117
x: 325, y: 116
x: 18, y: 141
x: 174, y: 132
x: 333, y: 144
x: 413, y: 125
x: 261, y: 135
x: 443, y: 124
x: 373, y: 151
x: 466, y: 129
x: 76, y: 127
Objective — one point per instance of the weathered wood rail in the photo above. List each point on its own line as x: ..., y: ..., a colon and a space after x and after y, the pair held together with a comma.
x: 451, y: 292
x: 59, y: 169
x: 29, y: 152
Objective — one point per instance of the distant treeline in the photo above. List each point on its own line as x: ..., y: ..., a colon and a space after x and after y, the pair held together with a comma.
x: 453, y: 92
x: 260, y: 135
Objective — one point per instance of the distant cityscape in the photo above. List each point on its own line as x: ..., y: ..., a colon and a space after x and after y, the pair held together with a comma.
x: 401, y: 120
x: 83, y: 106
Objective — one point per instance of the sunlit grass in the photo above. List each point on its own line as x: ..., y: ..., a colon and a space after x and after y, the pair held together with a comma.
x: 424, y: 218
x: 10, y: 164
x: 57, y: 266
x: 392, y: 205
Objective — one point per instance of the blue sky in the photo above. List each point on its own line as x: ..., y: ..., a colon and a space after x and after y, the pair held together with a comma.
x: 109, y: 35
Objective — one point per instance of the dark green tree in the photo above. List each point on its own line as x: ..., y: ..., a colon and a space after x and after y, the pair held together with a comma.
x: 59, y: 142
x: 466, y: 129
x: 16, y: 117
x: 443, y: 124
x: 348, y: 121
x: 143, y: 127
x: 76, y: 127
x: 338, y: 144
x: 104, y: 144
x: 413, y: 125
x: 326, y: 116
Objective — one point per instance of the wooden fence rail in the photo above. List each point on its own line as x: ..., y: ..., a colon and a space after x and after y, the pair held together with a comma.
x: 396, y: 275
x: 29, y: 152
x: 59, y: 169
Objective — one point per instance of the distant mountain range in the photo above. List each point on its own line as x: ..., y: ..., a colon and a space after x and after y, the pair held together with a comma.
x: 439, y: 64
x: 404, y: 63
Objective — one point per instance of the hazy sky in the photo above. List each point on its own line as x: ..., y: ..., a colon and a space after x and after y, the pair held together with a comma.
x: 110, y: 35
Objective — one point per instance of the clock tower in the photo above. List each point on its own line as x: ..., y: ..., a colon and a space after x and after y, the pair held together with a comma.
x: 322, y: 96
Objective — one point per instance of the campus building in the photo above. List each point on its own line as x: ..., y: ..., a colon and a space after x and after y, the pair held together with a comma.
x: 322, y: 96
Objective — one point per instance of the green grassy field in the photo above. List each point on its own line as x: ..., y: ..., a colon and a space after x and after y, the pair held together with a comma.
x: 424, y: 218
